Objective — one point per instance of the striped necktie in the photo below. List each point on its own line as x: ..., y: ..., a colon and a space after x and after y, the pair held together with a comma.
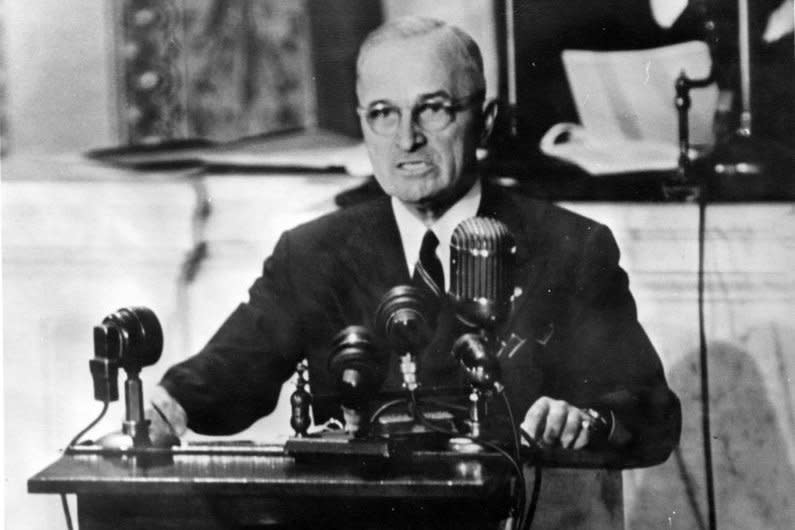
x: 428, y: 272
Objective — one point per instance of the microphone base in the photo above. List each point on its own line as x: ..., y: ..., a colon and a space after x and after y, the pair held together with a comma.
x: 465, y: 446
x: 338, y: 444
x: 123, y: 442
x: 118, y: 440
x: 743, y: 166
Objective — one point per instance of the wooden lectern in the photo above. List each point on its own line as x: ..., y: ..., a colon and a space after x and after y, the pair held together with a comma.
x: 251, y: 486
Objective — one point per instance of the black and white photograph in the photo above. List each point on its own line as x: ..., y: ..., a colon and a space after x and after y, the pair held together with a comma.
x: 397, y: 264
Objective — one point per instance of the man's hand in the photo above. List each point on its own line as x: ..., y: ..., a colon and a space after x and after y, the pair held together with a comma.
x: 556, y: 423
x: 167, y: 417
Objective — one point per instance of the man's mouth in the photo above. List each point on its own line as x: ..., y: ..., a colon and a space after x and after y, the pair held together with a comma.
x: 414, y: 166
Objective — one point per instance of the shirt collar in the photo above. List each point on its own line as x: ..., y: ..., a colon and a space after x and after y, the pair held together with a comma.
x: 413, y: 229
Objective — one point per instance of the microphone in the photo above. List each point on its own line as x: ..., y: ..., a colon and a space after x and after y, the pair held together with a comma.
x: 355, y: 365
x: 130, y: 338
x: 405, y: 317
x: 482, y: 262
x: 482, y: 368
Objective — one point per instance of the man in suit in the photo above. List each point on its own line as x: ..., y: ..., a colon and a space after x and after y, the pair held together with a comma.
x: 585, y: 358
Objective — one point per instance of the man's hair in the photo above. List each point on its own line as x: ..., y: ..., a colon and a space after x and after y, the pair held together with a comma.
x: 403, y: 28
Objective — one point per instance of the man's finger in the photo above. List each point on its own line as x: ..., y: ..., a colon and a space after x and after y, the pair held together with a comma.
x: 571, y: 429
x: 556, y: 420
x: 584, y: 436
x: 535, y: 419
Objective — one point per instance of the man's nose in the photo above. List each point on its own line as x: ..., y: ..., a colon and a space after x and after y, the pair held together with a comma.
x: 409, y: 135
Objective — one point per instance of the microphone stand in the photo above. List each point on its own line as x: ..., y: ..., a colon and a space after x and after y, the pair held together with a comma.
x: 474, y: 351
x: 743, y: 163
x: 135, y: 427
x: 510, y: 55
x: 300, y: 401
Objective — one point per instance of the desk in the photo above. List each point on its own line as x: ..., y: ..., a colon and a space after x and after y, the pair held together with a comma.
x: 262, y: 487
x: 258, y: 486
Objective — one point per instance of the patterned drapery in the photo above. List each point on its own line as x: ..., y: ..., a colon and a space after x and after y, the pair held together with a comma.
x: 217, y: 69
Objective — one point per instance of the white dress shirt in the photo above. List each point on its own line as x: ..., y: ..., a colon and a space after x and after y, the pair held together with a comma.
x: 412, y: 229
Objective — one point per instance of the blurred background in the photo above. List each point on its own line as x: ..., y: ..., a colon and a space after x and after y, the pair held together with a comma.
x: 139, y: 167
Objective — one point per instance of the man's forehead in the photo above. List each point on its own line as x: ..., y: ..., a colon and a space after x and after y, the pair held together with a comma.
x: 419, y: 98
x: 410, y: 69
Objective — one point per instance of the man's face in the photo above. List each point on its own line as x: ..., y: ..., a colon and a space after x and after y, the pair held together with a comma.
x: 419, y: 167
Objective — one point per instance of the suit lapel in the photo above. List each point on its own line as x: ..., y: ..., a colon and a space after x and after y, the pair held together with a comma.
x: 373, y: 253
x: 532, y: 315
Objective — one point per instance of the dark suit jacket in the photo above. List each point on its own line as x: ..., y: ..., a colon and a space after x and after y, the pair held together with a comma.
x: 583, y: 341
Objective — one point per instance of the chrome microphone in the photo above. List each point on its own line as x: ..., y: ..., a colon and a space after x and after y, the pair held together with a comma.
x: 482, y: 262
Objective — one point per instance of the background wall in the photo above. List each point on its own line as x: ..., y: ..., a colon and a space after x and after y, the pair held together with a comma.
x: 60, y: 88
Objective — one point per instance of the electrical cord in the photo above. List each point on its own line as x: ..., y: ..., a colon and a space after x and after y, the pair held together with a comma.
x: 525, y: 518
x: 517, y: 444
x: 683, y: 101
x: 705, y: 413
x: 516, y: 464
x: 535, y: 493
x: 386, y: 406
x: 90, y: 425
x: 526, y: 521
x: 75, y: 440
x: 66, y: 512
x: 537, y: 472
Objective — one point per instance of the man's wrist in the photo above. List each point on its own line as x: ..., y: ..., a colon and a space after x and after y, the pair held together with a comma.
x: 168, y: 411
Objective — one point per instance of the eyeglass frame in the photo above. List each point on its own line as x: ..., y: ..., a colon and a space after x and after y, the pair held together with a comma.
x: 452, y: 107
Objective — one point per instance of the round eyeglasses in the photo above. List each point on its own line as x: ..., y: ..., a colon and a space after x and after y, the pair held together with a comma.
x: 430, y: 115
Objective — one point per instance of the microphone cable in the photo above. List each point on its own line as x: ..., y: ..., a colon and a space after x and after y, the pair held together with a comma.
x: 536, y: 491
x: 517, y: 444
x: 67, y: 514
x: 385, y: 407
x: 526, y: 521
x: 519, y: 503
x: 90, y: 425
x: 64, y: 503
x: 703, y: 361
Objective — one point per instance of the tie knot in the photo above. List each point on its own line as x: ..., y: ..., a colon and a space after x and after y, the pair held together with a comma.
x: 429, y: 243
x: 428, y: 272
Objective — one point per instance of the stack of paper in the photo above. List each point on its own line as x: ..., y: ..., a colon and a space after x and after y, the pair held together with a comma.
x: 625, y: 100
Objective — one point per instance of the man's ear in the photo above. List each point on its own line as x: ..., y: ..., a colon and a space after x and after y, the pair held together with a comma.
x: 489, y: 118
